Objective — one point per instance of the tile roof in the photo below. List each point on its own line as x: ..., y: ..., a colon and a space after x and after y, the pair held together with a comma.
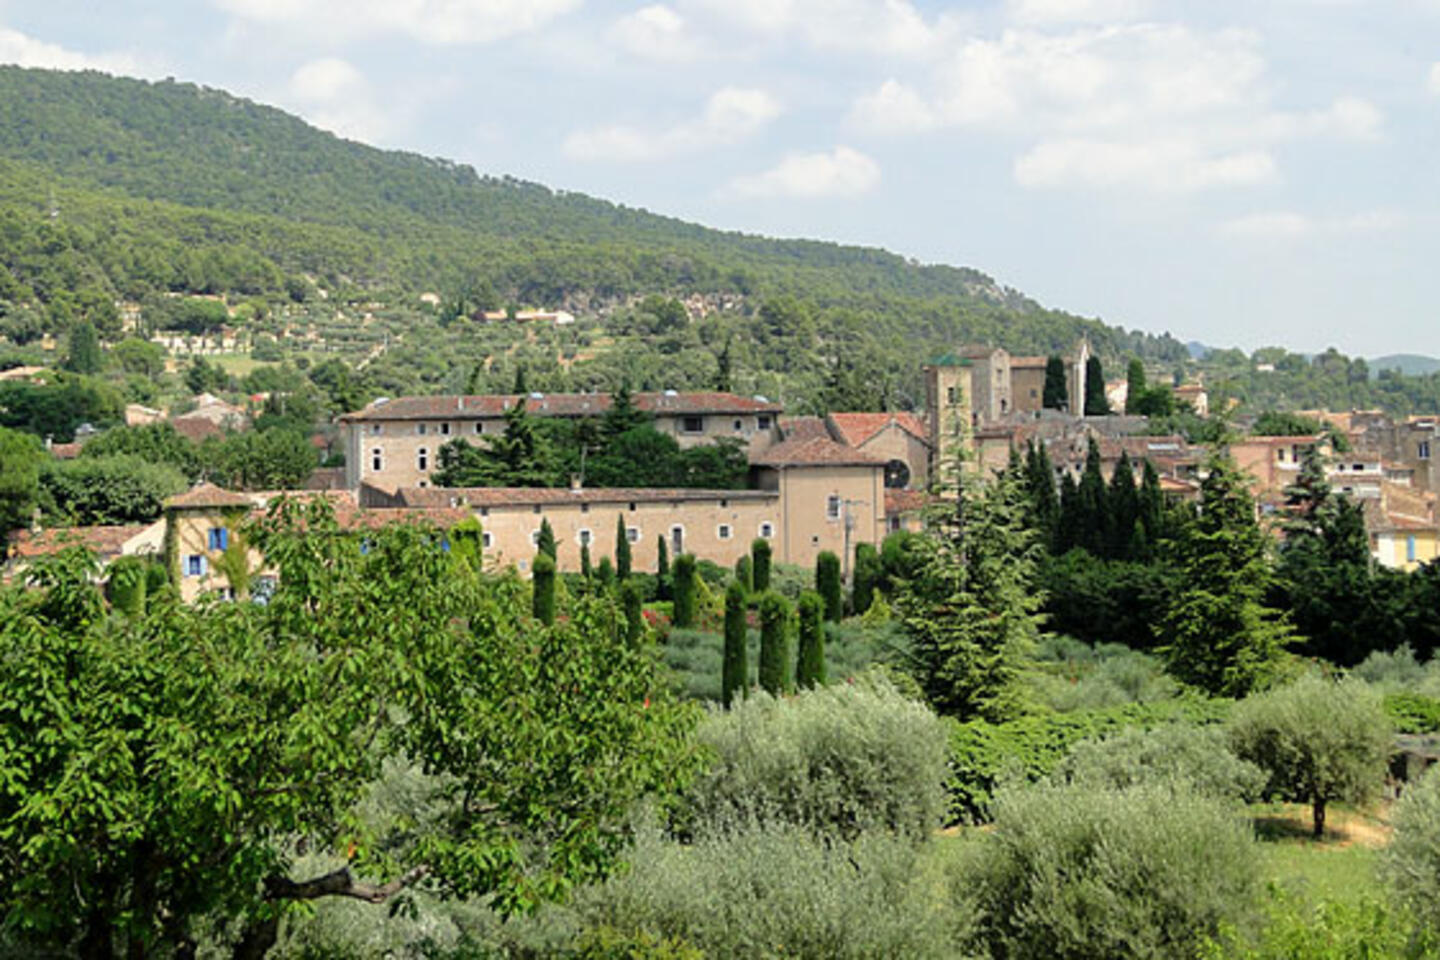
x: 196, y: 429
x: 815, y: 452
x: 1026, y: 362
x: 904, y: 501
x: 207, y: 496
x: 107, y: 542
x: 803, y: 428
x: 454, y: 407
x: 559, y: 496
x: 65, y: 451
x: 857, y: 429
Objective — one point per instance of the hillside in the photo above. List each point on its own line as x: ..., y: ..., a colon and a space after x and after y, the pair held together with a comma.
x: 1409, y: 364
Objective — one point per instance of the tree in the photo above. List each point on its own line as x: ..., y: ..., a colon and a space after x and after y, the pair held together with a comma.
x: 1096, y: 403
x: 1218, y: 632
x: 276, y: 459
x: 623, y: 416
x: 734, y: 679
x: 622, y: 549
x: 605, y: 574
x: 1122, y: 510
x: 586, y: 570
x: 760, y: 554
x: 1410, y: 863
x: 1090, y: 516
x: 810, y: 666
x: 1319, y: 740
x: 153, y: 442
x: 20, y: 460
x: 828, y: 585
x: 545, y: 540
x: 1134, y: 385
x: 684, y: 589
x: 868, y: 574
x: 206, y: 732
x: 743, y: 574
x: 542, y: 588
x: 1040, y: 485
x: 633, y: 603
x: 774, y: 643
x: 84, y: 356
x: 662, y: 569
x: 1056, y: 396
x: 106, y: 490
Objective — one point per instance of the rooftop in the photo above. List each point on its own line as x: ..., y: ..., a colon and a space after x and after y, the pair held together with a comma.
x: 856, y: 429
x: 207, y: 496
x: 106, y: 542
x: 815, y: 452
x: 455, y: 497
x: 455, y: 407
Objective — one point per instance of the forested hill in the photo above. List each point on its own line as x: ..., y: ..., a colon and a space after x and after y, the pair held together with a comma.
x: 209, y: 192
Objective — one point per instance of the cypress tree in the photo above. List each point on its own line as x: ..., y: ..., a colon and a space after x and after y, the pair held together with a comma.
x: 622, y: 549
x: 585, y: 570
x: 520, y: 387
x: 605, y: 575
x: 1055, y: 395
x: 760, y: 564
x: 1096, y: 403
x: 1123, y: 510
x: 810, y: 665
x: 1040, y: 485
x: 1152, y: 506
x: 827, y: 584
x: 662, y: 569
x: 545, y: 543
x: 84, y: 355
x: 743, y: 574
x: 633, y: 604
x: 1134, y: 386
x: 868, y: 572
x: 1070, y: 524
x: 684, y: 590
x: 774, y: 642
x: 1090, y: 498
x: 542, y: 587
x: 733, y: 679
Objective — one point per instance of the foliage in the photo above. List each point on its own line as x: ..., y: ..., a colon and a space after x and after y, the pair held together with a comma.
x: 844, y: 759
x: 278, y: 459
x: 810, y: 662
x: 1134, y: 384
x: 1369, y: 930
x: 1277, y: 423
x: 1197, y: 757
x: 1072, y: 675
x: 663, y: 583
x: 868, y: 574
x: 632, y: 602
x: 152, y: 442
x: 125, y: 585
x: 1106, y: 601
x: 735, y: 669
x: 1096, y: 403
x: 84, y: 354
x: 774, y: 664
x: 542, y: 588
x: 1411, y: 863
x: 21, y: 458
x: 1071, y: 872
x: 157, y: 779
x: 623, y: 555
x: 829, y: 586
x: 106, y: 490
x: 55, y: 408
x: 1055, y: 395
x: 760, y: 554
x: 1318, y: 740
x: 684, y: 588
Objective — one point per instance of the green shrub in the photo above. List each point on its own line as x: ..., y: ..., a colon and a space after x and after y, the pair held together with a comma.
x: 1071, y: 872
x: 542, y: 587
x: 734, y: 669
x: 1411, y: 864
x: 1074, y: 675
x: 868, y: 574
x: 126, y: 586
x: 633, y: 604
x: 774, y: 644
x: 790, y: 580
x: 1196, y: 756
x: 1412, y: 712
x: 810, y: 664
x: 684, y: 587
x: 1297, y: 930
x: 841, y: 759
x: 828, y: 585
x: 775, y: 890
x: 744, y: 575
x: 760, y: 554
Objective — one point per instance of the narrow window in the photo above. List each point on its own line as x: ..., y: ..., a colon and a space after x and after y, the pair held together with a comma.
x: 584, y: 537
x: 723, y: 531
x: 950, y: 393
x: 479, y: 426
x: 375, y: 429
x: 375, y: 460
x: 486, y: 539
x: 832, y: 507
x: 739, y: 425
x: 195, y: 565
x: 767, y: 530
x: 422, y: 459
x: 420, y: 429
x: 445, y: 429
x: 677, y: 540
x: 632, y: 534
x: 219, y: 538
x: 1410, y: 548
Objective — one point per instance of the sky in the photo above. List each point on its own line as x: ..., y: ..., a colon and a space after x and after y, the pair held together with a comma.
x: 1239, y: 172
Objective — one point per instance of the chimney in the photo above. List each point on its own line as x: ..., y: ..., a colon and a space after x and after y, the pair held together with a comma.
x: 575, y: 484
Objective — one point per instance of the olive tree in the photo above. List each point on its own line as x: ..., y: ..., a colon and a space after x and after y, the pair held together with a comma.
x: 1319, y: 741
x: 1411, y: 864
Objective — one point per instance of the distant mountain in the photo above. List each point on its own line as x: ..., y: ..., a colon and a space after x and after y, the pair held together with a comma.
x: 1198, y: 350
x: 1410, y: 364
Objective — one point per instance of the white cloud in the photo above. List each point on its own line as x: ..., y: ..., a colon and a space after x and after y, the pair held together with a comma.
x: 1289, y: 225
x: 439, y: 22
x: 26, y: 51
x: 894, y: 108
x: 334, y: 96
x: 1037, y: 12
x: 1159, y: 165
x: 891, y: 27
x: 656, y: 32
x: 1432, y: 82
x: 843, y: 172
x: 731, y: 114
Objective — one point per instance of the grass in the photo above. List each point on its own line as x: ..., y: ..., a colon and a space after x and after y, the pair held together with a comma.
x: 1339, y: 868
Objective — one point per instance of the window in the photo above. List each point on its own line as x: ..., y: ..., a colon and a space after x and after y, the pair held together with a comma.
x: 484, y: 511
x: 535, y: 509
x: 1358, y: 466
x: 584, y: 536
x: 677, y: 540
x: 763, y: 421
x: 486, y: 539
x: 584, y: 508
x: 534, y: 538
x: 1410, y: 548
x: 723, y: 531
x: 479, y: 426
x: 632, y: 508
x: 445, y: 429
x: 420, y: 428
x: 1424, y: 450
x: 422, y: 459
x: 739, y: 425
x: 692, y: 424
x: 195, y: 565
x: 767, y: 530
x: 832, y: 507
x: 376, y: 429
x: 219, y: 538
x: 951, y: 396
x: 632, y: 534
x: 1280, y: 454
x: 375, y: 460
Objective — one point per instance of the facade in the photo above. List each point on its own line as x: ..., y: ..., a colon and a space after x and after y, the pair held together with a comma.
x: 900, y: 439
x: 396, y: 443
x: 831, y: 497
x: 1275, y: 462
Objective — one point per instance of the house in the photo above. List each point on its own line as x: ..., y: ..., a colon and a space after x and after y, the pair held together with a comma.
x: 108, y: 543
x: 901, y: 439
x: 1275, y: 462
x: 396, y: 443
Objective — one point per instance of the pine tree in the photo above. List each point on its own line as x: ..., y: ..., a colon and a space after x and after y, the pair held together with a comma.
x: 1040, y: 485
x: 733, y: 679
x: 1122, y: 510
x: 623, y: 557
x: 868, y: 572
x: 662, y: 569
x: 1091, y: 504
x: 545, y: 542
x: 1055, y: 395
x: 722, y: 369
x: 760, y: 553
x: 1220, y: 635
x: 1134, y: 386
x: 684, y: 590
x: 810, y: 664
x: 542, y: 586
x: 774, y: 643
x: 84, y: 356
x: 1096, y: 403
x: 1070, y: 525
x: 623, y: 416
x: 828, y: 585
x: 1152, y: 510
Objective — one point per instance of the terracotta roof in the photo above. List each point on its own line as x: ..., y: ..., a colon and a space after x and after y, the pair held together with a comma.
x: 1028, y: 362
x: 857, y: 429
x: 65, y: 451
x: 455, y: 407
x: 904, y: 501
x: 107, y: 542
x: 815, y: 452
x: 803, y: 428
x: 196, y: 429
x: 326, y: 478
x: 352, y: 518
x: 434, y: 497
x: 208, y: 496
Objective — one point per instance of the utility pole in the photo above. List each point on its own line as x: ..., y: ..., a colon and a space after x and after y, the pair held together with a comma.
x: 849, y: 524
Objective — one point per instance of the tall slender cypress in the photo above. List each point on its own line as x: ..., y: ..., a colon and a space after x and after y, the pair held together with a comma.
x: 828, y: 585
x: 733, y: 679
x: 1096, y: 403
x: 662, y: 569
x: 810, y: 664
x: 1055, y: 395
x: 744, y: 573
x: 1123, y: 511
x: 604, y: 574
x: 774, y: 642
x: 760, y: 564
x: 585, y: 569
x: 633, y: 604
x: 1091, y: 502
x: 622, y: 549
x: 542, y: 586
x: 868, y: 573
x: 684, y: 590
x: 545, y: 542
